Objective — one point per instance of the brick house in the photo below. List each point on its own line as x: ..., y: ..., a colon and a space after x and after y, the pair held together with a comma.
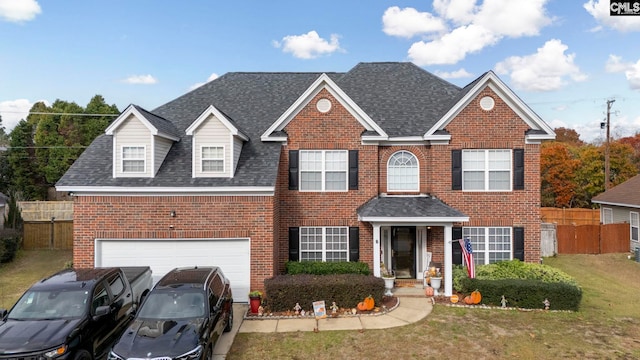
x: 383, y: 163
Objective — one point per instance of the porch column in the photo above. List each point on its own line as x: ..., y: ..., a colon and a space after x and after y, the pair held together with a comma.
x: 376, y: 250
x: 448, y: 265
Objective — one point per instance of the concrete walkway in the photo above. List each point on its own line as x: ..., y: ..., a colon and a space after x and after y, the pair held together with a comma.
x: 413, y: 306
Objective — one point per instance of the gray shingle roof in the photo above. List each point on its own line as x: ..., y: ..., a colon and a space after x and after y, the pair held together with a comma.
x: 163, y: 125
x: 408, y: 207
x: 401, y: 98
x: 625, y: 194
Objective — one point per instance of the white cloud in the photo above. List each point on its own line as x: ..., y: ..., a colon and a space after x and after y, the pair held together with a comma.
x: 211, y: 77
x: 548, y: 69
x: 19, y: 10
x: 633, y: 76
x: 478, y: 26
x: 12, y: 111
x: 631, y: 71
x: 461, y: 12
x: 140, y: 79
x: 309, y: 45
x: 614, y: 64
x: 408, y: 22
x: 600, y: 11
x: 458, y: 74
x: 452, y: 47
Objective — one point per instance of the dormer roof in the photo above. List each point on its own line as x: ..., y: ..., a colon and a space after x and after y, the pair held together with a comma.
x: 228, y: 123
x: 157, y: 125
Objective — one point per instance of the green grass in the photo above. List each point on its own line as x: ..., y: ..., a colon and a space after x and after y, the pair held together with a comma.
x: 606, y: 327
x: 27, y: 268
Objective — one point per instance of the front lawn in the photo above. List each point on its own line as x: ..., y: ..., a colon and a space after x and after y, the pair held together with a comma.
x: 606, y: 327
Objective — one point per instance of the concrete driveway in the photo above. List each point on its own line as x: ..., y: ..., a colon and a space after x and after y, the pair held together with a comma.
x: 226, y: 340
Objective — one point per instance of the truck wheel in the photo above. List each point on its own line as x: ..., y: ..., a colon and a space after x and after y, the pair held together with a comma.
x: 229, y: 321
x: 82, y: 355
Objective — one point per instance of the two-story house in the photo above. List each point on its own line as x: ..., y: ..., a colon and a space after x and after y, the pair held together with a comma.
x: 383, y: 163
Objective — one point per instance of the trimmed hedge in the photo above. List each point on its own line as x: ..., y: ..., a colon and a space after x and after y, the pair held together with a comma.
x: 347, y: 290
x: 525, y: 293
x: 326, y: 268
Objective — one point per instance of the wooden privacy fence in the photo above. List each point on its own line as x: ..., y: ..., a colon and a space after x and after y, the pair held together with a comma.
x: 48, y: 235
x: 570, y: 216
x: 593, y: 239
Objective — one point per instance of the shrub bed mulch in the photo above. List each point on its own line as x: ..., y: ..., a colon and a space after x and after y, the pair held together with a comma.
x: 389, y: 303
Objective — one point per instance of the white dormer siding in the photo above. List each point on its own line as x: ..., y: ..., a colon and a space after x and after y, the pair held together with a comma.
x: 215, y: 134
x: 132, y: 133
x: 212, y: 133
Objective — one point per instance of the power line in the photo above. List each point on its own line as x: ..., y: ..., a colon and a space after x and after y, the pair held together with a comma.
x: 51, y: 113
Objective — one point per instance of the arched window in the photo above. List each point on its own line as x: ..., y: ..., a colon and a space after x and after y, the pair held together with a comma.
x: 402, y: 172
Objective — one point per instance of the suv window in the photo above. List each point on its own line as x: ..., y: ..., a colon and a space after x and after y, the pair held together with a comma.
x: 116, y: 285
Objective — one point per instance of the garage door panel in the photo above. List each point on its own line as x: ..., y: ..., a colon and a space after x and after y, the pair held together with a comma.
x: 231, y: 255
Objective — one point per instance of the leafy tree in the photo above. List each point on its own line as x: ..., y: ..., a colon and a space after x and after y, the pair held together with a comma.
x: 558, y: 166
x: 4, y: 137
x: 21, y: 157
x: 634, y: 142
x: 568, y: 136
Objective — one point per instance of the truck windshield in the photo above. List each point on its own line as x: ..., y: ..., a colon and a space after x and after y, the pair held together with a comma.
x: 170, y: 304
x: 39, y: 305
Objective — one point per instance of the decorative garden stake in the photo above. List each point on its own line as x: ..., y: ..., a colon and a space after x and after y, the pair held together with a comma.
x: 546, y: 304
x: 503, y: 301
x: 334, y: 307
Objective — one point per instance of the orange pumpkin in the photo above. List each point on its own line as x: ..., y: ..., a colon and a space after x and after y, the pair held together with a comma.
x: 467, y: 300
x: 361, y: 306
x: 369, y: 303
x: 454, y: 298
x: 428, y: 291
x: 476, y: 297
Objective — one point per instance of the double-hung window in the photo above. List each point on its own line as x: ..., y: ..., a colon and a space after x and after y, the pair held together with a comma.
x: 324, y: 244
x: 212, y: 159
x: 133, y: 159
x: 607, y: 216
x: 489, y: 244
x: 402, y: 172
x: 486, y: 170
x: 323, y: 170
x: 634, y: 221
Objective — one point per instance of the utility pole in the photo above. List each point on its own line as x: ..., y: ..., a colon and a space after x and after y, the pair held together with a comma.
x: 606, y: 149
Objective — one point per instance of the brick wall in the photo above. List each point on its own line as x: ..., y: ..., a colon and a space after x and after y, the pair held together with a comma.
x: 140, y: 217
x: 313, y: 130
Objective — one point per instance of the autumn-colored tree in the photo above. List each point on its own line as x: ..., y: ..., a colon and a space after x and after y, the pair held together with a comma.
x: 634, y: 142
x: 557, y: 174
x: 568, y: 136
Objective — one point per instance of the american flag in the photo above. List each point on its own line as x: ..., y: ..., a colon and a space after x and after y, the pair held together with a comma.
x: 467, y: 256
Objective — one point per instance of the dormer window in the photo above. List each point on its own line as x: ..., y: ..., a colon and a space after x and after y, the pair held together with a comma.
x: 213, y: 159
x: 133, y: 159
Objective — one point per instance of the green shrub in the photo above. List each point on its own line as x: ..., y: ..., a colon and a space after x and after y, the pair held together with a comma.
x: 326, y: 268
x: 282, y: 292
x: 526, y: 293
x: 9, y: 241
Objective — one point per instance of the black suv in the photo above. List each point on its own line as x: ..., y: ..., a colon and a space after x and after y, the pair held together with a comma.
x: 181, y: 318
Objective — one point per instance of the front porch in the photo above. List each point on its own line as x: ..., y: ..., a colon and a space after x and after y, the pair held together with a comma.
x: 410, y: 234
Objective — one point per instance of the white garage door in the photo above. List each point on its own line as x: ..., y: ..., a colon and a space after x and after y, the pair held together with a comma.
x: 231, y: 255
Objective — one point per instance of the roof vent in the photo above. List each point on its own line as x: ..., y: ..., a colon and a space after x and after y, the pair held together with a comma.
x: 323, y: 105
x: 487, y: 103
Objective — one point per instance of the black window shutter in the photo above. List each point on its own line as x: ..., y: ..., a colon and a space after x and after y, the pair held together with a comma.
x: 354, y: 243
x: 518, y: 243
x: 518, y: 169
x: 456, y: 254
x: 293, y: 169
x: 353, y: 169
x: 456, y: 169
x: 294, y: 244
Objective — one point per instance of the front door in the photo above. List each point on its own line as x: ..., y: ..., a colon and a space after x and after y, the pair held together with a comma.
x: 403, y: 255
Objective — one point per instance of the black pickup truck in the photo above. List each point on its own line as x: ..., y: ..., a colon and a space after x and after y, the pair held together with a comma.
x: 73, y: 314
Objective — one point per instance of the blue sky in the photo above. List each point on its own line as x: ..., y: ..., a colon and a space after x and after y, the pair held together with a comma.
x: 565, y: 58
